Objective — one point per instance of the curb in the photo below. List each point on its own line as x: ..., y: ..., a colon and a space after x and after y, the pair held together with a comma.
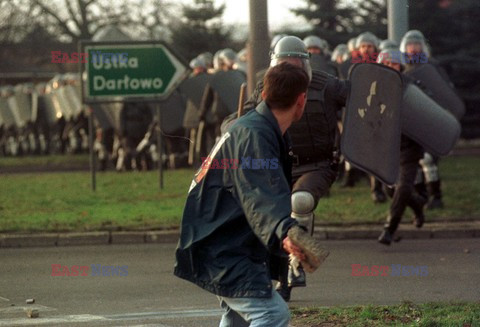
x: 88, y: 238
x: 429, y: 231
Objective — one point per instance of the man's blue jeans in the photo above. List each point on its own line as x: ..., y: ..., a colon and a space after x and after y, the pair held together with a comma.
x: 254, y: 312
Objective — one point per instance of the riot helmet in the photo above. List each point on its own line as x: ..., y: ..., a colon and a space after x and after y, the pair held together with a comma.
x: 367, y: 43
x: 293, y: 50
x: 207, y: 58
x: 352, y: 44
x: 217, y: 61
x: 415, y: 38
x: 388, y: 44
x: 316, y: 45
x: 275, y: 40
x: 340, y: 53
x: 392, y: 58
x: 229, y: 57
x: 197, y: 63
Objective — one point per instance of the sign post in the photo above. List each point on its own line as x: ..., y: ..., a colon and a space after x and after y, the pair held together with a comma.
x: 134, y: 71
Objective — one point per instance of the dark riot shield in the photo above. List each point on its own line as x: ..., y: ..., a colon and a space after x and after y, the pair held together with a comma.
x: 6, y: 114
x: 193, y: 88
x: 227, y: 84
x: 173, y: 110
x: 24, y: 102
x: 319, y: 62
x: 73, y: 100
x: 50, y: 113
x: 438, y: 89
x: 344, y: 68
x: 103, y: 116
x: 371, y: 126
x: 425, y: 122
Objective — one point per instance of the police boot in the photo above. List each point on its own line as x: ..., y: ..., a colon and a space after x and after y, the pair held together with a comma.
x: 389, y: 229
x: 349, y: 178
x: 417, y: 202
x: 435, y: 195
x: 378, y: 196
x: 386, y: 237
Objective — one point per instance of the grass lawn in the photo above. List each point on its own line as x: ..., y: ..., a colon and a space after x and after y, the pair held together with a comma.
x: 405, y: 314
x: 133, y: 201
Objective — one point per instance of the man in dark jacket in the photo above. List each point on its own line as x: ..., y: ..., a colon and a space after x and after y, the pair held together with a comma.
x: 237, y: 213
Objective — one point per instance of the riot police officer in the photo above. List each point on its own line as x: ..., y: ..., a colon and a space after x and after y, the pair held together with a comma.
x: 416, y: 51
x: 313, y: 139
x: 410, y: 153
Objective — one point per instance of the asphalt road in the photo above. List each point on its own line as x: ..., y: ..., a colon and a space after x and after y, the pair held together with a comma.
x: 149, y: 295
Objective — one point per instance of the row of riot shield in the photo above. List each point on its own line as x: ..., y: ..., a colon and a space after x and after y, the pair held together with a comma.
x: 43, y: 118
x: 382, y: 106
x: 210, y: 99
x: 116, y: 145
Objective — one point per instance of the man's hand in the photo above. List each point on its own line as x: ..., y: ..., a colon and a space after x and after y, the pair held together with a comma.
x: 293, y: 249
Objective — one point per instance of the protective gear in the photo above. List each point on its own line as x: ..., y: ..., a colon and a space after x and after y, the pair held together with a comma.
x: 320, y: 62
x: 197, y: 63
x: 275, y: 40
x: 313, y: 41
x: 319, y: 120
x: 391, y: 55
x: 303, y: 204
x: 372, y: 117
x: 388, y: 45
x: 429, y: 77
x: 227, y: 85
x: 207, y: 58
x: 291, y: 47
x: 228, y: 56
x: 340, y: 53
x: 428, y: 124
x: 366, y: 37
x: 414, y: 36
x: 217, y: 62
x: 430, y: 169
x: 352, y: 44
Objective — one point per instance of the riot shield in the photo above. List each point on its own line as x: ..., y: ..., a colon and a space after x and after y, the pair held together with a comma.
x: 425, y: 122
x: 371, y: 125
x: 438, y: 89
x: 63, y: 102
x: 319, y: 62
x: 227, y: 84
x: 50, y: 113
x: 73, y: 100
x: 193, y: 88
x: 102, y: 116
x: 173, y: 110
x: 6, y: 115
x: 344, y: 68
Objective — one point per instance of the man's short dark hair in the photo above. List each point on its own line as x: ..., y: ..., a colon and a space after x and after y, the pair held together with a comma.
x: 283, y: 84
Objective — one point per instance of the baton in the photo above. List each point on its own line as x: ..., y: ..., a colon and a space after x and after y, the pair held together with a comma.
x: 241, y: 99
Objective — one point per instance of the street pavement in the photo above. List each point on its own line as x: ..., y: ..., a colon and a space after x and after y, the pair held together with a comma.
x: 149, y: 295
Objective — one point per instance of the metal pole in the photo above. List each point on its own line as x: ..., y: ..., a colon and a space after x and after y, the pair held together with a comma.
x: 91, y: 138
x: 259, y: 41
x: 159, y: 145
x: 397, y: 19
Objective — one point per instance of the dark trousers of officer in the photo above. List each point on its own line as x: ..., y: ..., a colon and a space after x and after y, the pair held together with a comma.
x: 316, y: 179
x: 404, y: 195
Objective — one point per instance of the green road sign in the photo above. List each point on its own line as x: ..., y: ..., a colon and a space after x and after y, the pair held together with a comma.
x: 119, y: 71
